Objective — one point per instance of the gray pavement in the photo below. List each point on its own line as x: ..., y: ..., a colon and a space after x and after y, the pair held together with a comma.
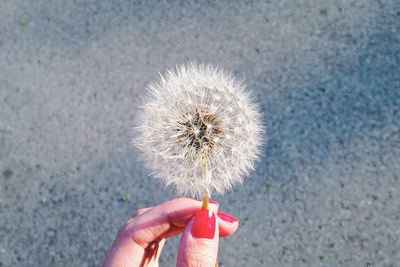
x: 326, y: 73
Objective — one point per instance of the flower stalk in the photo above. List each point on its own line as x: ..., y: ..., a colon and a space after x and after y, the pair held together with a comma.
x: 204, y: 174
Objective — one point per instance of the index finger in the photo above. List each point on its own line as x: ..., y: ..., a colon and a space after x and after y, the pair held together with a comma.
x: 157, y: 222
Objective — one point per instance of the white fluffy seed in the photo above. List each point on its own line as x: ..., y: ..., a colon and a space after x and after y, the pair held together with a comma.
x: 196, y: 112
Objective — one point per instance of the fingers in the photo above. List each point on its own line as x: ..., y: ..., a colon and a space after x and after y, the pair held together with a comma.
x: 123, y: 253
x: 160, y: 221
x: 199, y: 242
x: 153, y: 252
x: 227, y: 224
x: 140, y: 233
x: 140, y: 211
x: 150, y: 226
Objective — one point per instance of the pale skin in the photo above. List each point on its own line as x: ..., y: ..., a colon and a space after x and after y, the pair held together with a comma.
x: 141, y: 239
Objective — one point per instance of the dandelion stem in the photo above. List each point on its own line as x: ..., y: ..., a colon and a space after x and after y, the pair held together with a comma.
x: 206, y: 196
x: 204, y: 174
x: 205, y: 202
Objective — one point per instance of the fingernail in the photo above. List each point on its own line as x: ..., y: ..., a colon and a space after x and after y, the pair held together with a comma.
x: 226, y: 217
x: 204, y: 224
x: 210, y: 201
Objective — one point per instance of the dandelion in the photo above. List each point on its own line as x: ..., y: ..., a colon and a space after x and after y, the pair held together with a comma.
x: 199, y: 130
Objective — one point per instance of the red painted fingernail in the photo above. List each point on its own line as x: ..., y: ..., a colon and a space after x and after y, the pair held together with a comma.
x: 204, y: 224
x: 226, y: 217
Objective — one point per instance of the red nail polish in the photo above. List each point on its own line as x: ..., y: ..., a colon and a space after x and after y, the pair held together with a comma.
x: 204, y: 224
x: 226, y: 217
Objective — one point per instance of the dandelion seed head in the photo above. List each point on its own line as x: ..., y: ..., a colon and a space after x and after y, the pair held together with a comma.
x: 197, y: 113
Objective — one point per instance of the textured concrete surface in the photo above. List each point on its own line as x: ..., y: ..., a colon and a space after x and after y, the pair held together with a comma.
x: 326, y: 192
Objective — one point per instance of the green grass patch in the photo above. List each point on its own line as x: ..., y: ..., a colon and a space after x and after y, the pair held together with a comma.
x: 25, y: 22
x: 125, y: 197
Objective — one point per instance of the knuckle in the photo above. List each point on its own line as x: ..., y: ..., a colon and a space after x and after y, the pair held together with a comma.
x: 199, y: 259
x: 140, y: 211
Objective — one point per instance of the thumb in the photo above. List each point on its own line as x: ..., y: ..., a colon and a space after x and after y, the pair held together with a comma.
x: 199, y: 243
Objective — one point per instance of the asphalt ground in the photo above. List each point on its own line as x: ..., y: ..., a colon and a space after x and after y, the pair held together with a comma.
x: 326, y: 74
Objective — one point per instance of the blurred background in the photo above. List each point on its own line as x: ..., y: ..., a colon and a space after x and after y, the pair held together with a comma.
x: 326, y: 74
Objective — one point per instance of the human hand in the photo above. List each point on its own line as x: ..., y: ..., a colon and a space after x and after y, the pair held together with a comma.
x: 141, y: 239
